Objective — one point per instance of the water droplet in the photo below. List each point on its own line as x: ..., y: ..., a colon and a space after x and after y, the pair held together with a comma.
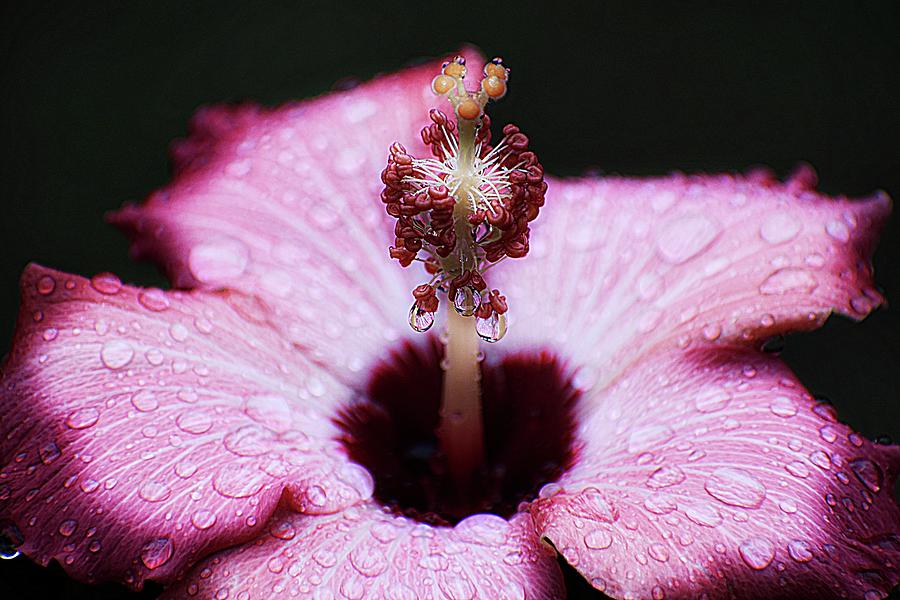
x: 179, y: 332
x: 659, y: 552
x: 838, y: 230
x: 185, y: 469
x: 712, y: 331
x: 491, y: 329
x: 868, y: 473
x: 116, y: 354
x: 757, y: 552
x: 50, y: 334
x: 273, y: 412
x: 828, y: 434
x: 702, y: 513
x: 153, y: 299
x: 196, y: 422
x: 800, y: 551
x: 779, y: 228
x: 250, y: 440
x: 67, y: 527
x: 820, y: 459
x: 660, y: 504
x: 238, y: 480
x: 145, y: 401
x: 789, y: 506
x: 155, y: 491
x: 711, y: 400
x: 665, y: 476
x: 420, y: 320
x: 11, y: 539
x: 218, y: 260
x: 203, y: 519
x: 788, y: 279
x: 683, y: 238
x: 368, y: 560
x: 598, y: 539
x: 45, y: 285
x: 735, y: 487
x: 466, y: 300
x: 797, y: 469
x: 783, y: 406
x: 156, y: 553
x: 49, y: 452
x: 658, y: 593
x: 89, y: 485
x: 106, y: 283
x: 652, y: 437
x: 283, y: 530
x: 325, y: 557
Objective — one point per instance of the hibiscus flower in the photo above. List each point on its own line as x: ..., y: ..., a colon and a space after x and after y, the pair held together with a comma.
x: 267, y: 428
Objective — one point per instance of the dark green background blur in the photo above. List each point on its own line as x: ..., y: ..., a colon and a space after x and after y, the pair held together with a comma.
x: 91, y: 95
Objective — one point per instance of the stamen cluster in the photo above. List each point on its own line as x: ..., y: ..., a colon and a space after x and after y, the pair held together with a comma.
x: 467, y: 207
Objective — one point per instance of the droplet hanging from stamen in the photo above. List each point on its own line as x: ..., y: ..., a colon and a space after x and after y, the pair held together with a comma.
x: 491, y: 329
x: 420, y: 320
x: 466, y: 300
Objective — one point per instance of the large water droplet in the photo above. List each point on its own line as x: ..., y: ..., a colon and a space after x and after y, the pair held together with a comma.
x: 155, y: 491
x: 651, y: 437
x: 684, y: 238
x: 491, y: 329
x: 116, y: 354
x: 779, y: 228
x: 735, y: 487
x: 598, y: 539
x: 868, y: 473
x: 83, y: 418
x: 783, y: 406
x: 800, y: 551
x: 196, y: 422
x: 420, y: 320
x: 466, y: 300
x: 11, y: 539
x: 660, y: 504
x: 45, y: 285
x: 270, y: 411
x: 153, y: 299
x: 665, y: 476
x: 659, y: 552
x: 788, y: 279
x: 757, y: 552
x: 711, y: 400
x: 838, y: 230
x: 156, y: 553
x: 238, y: 480
x: 145, y: 401
x: 203, y: 519
x: 250, y: 440
x: 368, y: 560
x: 702, y: 513
x: 218, y: 260
x: 797, y: 469
x: 67, y: 527
x: 106, y: 283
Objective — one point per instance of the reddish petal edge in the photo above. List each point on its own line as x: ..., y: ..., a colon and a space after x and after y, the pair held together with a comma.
x: 143, y: 429
x: 715, y: 474
x: 366, y: 553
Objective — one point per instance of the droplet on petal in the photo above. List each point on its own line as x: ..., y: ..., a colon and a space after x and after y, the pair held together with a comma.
x: 156, y: 553
x: 491, y: 329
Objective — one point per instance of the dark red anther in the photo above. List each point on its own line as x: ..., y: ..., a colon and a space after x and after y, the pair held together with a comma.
x: 498, y: 302
x: 426, y: 298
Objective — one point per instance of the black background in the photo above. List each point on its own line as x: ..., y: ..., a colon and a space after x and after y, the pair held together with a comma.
x: 90, y: 96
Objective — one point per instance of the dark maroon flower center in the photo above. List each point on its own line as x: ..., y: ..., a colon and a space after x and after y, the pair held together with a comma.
x: 528, y: 402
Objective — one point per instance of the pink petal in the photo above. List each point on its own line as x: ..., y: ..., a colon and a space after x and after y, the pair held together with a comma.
x: 714, y: 472
x: 365, y: 553
x: 619, y: 266
x: 143, y: 429
x: 284, y: 203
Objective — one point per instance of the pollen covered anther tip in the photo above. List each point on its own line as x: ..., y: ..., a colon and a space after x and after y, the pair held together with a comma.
x: 467, y: 207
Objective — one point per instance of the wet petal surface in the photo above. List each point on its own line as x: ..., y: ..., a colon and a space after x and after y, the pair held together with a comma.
x: 284, y: 204
x: 364, y: 553
x: 143, y: 429
x: 715, y: 472
x: 620, y: 266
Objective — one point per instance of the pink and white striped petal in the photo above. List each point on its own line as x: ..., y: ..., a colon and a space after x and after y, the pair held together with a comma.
x: 284, y: 204
x: 713, y: 472
x: 365, y: 553
x: 621, y: 267
x: 143, y: 429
